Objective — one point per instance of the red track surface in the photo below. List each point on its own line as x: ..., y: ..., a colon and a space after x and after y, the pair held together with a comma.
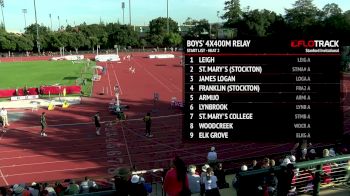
x: 73, y: 150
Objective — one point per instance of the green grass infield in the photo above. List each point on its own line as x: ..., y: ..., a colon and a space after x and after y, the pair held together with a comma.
x: 37, y: 73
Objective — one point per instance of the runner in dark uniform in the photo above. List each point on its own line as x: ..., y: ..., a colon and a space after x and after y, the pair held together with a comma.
x: 97, y: 123
x: 43, y: 124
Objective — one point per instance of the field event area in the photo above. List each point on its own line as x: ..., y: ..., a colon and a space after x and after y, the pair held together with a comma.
x: 29, y: 74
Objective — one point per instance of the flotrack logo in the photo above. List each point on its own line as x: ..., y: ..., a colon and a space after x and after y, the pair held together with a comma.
x: 315, y: 44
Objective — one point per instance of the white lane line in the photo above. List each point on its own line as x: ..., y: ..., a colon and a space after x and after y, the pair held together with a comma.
x: 120, y: 88
x: 3, y: 177
x: 59, y: 170
x: 109, y: 82
x: 126, y: 145
x: 157, y: 79
x: 86, y: 123
x: 49, y: 162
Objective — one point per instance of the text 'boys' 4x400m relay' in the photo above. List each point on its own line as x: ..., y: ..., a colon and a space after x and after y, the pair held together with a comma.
x: 262, y: 90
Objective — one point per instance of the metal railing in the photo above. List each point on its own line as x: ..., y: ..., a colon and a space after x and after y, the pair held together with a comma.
x: 310, y: 177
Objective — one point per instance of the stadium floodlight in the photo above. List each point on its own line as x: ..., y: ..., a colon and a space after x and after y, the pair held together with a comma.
x: 2, y: 5
x: 123, y: 6
x: 218, y: 14
x: 50, y: 21
x: 167, y: 15
x: 129, y: 13
x: 37, y: 30
x: 59, y: 22
x: 24, y: 11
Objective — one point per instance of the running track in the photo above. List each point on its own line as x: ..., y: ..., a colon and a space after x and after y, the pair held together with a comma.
x: 72, y: 150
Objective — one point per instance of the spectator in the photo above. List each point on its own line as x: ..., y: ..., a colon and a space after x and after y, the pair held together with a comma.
x: 20, y: 190
x: 312, y: 154
x: 285, y: 179
x: 212, y: 157
x: 266, y: 163
x: 51, y: 191
x: 210, y: 182
x: 285, y: 162
x: 220, y: 174
x: 254, y: 165
x: 193, y: 179
x: 45, y: 193
x: 271, y: 183
x: 272, y: 163
x: 59, y: 189
x: 235, y: 180
x: 121, y: 180
x: 3, y: 114
x: 326, y: 169
x: 85, y: 186
x: 93, y: 187
x: 176, y: 181
x: 332, y: 152
x: 347, y: 177
x: 137, y: 187
x: 72, y: 188
x: 292, y: 159
x: 34, y: 189
x: 203, y: 174
x: 3, y: 191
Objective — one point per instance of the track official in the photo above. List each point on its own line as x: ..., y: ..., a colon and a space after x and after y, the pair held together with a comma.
x: 147, y: 119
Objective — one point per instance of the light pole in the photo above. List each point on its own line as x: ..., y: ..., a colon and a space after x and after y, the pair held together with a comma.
x: 37, y: 30
x: 129, y: 13
x: 24, y: 11
x: 59, y: 22
x: 123, y: 6
x: 2, y: 7
x: 167, y: 15
x: 218, y: 14
x: 51, y: 21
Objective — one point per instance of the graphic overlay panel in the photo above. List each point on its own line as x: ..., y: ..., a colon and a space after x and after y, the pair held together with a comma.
x: 262, y: 90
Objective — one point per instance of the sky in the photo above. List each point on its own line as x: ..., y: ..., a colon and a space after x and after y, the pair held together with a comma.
x: 142, y: 11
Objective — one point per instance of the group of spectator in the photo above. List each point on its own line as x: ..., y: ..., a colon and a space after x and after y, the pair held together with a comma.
x: 69, y: 187
x: 182, y: 180
x: 281, y: 177
x: 288, y: 180
x: 128, y: 184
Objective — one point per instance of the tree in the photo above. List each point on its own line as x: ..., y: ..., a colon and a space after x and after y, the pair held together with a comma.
x: 200, y: 29
x: 24, y: 42
x: 159, y: 26
x: 331, y: 10
x: 345, y: 58
x: 93, y: 41
x: 302, y: 16
x: 257, y: 23
x: 233, y: 12
x: 6, y: 42
x: 143, y: 43
x: 54, y: 41
x: 156, y: 40
x: 172, y: 39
